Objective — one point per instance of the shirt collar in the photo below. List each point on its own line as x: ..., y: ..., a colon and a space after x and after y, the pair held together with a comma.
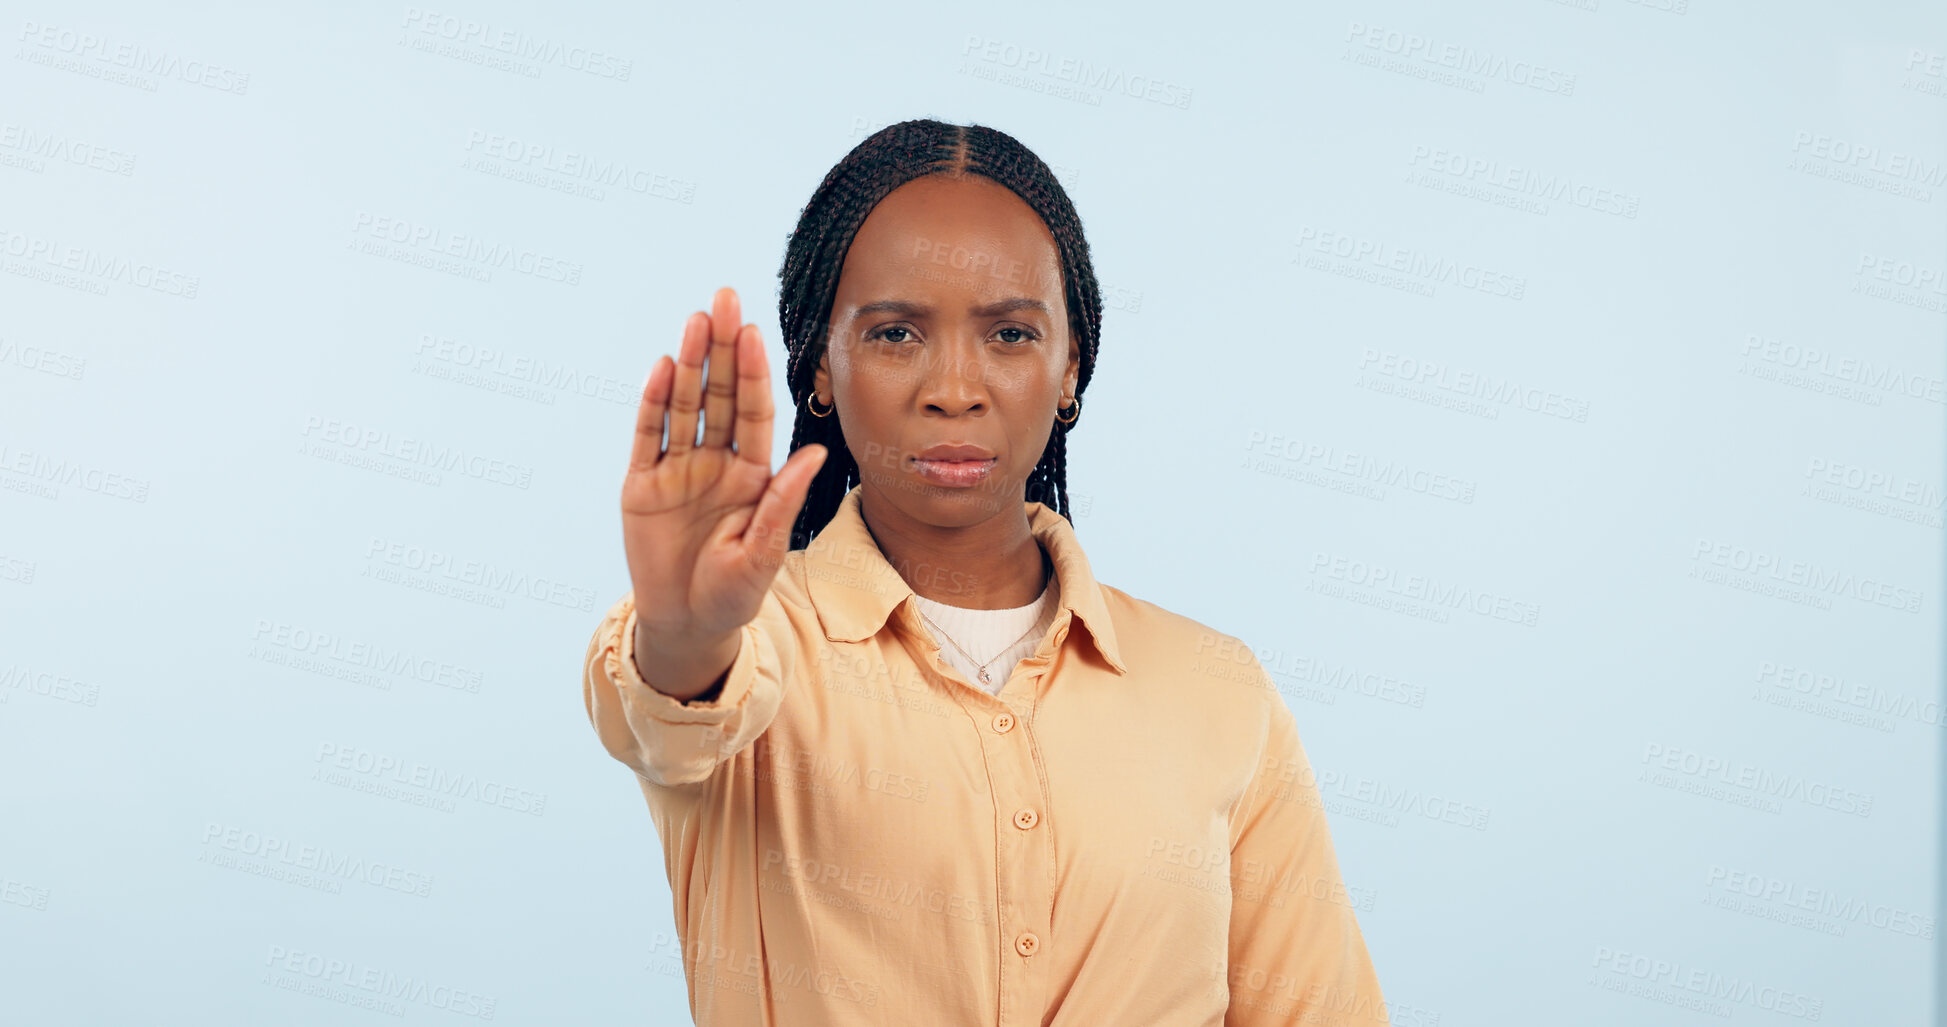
x: 854, y: 589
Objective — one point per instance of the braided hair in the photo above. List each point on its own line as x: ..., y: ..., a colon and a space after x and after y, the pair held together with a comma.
x: 808, y: 281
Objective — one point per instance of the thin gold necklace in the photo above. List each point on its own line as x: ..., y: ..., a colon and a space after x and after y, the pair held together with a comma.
x: 1047, y: 565
x: 984, y: 679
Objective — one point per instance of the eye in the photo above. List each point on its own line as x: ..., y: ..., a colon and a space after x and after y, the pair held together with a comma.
x: 1027, y: 336
x: 886, y: 333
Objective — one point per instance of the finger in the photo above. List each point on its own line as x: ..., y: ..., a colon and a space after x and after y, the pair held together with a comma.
x: 686, y: 397
x: 755, y: 412
x: 768, y: 538
x: 648, y: 446
x: 720, y: 399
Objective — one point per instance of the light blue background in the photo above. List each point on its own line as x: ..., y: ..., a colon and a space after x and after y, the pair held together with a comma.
x: 151, y: 722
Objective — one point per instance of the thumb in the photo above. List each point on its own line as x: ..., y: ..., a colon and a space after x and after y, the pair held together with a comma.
x: 768, y: 538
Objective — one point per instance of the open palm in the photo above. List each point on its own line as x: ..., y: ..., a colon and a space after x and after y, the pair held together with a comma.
x: 705, y: 524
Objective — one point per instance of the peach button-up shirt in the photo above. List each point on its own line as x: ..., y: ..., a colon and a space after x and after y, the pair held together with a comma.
x: 1127, y: 835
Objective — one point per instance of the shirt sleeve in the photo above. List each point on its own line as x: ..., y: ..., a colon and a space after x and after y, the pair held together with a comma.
x: 668, y: 741
x: 1296, y: 953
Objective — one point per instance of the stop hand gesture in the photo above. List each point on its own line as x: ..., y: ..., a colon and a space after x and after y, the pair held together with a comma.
x: 706, y: 525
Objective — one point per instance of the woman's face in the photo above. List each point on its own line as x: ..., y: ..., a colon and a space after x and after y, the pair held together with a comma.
x: 949, y: 329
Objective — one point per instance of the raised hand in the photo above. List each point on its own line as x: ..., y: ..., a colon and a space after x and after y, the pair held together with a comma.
x: 705, y: 525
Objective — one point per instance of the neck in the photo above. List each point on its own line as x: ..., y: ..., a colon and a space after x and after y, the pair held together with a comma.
x: 995, y: 564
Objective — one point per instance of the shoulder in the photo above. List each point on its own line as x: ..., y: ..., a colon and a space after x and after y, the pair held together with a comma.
x: 1220, y: 666
x: 1213, y: 679
x: 1149, y: 622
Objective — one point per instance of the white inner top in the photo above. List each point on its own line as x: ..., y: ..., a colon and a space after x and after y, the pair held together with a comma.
x: 1001, y: 637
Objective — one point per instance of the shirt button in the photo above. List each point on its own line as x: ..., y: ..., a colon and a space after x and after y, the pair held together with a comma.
x: 1025, y: 818
x: 1003, y: 722
x: 1027, y: 944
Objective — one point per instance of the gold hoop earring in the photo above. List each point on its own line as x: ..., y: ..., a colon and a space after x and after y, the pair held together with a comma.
x: 809, y: 397
x: 1075, y: 406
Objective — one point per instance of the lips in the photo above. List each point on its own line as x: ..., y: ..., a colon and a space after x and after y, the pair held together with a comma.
x: 954, y: 465
x: 955, y: 451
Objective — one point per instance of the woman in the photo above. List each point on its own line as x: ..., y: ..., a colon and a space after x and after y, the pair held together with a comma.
x: 893, y: 785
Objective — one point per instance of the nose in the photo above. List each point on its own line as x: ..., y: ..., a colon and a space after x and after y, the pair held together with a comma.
x: 955, y: 385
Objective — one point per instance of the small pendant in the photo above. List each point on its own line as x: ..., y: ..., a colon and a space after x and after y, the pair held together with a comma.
x: 983, y: 677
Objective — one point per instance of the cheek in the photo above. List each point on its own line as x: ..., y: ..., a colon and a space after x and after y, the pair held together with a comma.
x: 1023, y: 381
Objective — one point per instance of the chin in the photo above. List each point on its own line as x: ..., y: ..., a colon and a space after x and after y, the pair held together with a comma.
x: 946, y: 505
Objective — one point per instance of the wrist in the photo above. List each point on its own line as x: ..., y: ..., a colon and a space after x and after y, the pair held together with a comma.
x: 684, y: 667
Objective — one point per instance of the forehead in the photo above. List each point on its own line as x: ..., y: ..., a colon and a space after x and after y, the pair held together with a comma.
x: 936, y: 234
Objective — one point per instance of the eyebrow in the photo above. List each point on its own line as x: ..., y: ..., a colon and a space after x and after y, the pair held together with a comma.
x: 911, y: 309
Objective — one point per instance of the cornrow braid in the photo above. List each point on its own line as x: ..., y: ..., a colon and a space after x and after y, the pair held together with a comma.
x: 815, y: 253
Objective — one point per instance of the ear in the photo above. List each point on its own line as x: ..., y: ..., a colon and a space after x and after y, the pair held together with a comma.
x: 821, y: 379
x: 1073, y: 375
